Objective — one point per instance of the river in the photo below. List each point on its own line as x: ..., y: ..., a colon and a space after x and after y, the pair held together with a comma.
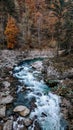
x: 44, y: 105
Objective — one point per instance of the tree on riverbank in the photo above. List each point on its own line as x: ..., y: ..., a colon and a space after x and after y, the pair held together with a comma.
x: 11, y: 33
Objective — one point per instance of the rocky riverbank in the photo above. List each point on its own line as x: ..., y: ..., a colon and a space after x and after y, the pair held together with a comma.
x: 58, y: 74
x: 8, y: 85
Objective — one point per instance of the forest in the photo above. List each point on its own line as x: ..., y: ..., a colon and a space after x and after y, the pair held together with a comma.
x: 36, y: 64
x: 37, y: 23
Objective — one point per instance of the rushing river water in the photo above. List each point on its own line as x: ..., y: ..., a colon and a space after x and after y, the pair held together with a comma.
x: 46, y: 107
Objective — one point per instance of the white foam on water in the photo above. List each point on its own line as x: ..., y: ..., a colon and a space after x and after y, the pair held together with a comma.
x: 48, y: 110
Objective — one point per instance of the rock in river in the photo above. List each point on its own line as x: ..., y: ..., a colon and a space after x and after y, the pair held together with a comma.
x: 22, y: 110
x: 27, y: 122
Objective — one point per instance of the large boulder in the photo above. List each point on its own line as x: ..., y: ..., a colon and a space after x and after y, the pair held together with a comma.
x: 22, y: 110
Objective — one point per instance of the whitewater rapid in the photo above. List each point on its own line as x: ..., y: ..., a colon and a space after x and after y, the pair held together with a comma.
x: 47, y: 108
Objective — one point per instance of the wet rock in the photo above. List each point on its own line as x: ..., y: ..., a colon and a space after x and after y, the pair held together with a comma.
x: 27, y: 122
x: 2, y: 111
x: 39, y: 94
x: 19, y: 125
x: 23, y: 113
x: 22, y: 110
x: 8, y: 125
x: 6, y: 100
x: 32, y: 106
x: 52, y: 83
x: 15, y: 116
x: 43, y: 114
x: 19, y: 108
x: 37, y: 126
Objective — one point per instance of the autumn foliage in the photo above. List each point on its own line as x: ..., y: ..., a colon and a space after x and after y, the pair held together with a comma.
x: 11, y: 33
